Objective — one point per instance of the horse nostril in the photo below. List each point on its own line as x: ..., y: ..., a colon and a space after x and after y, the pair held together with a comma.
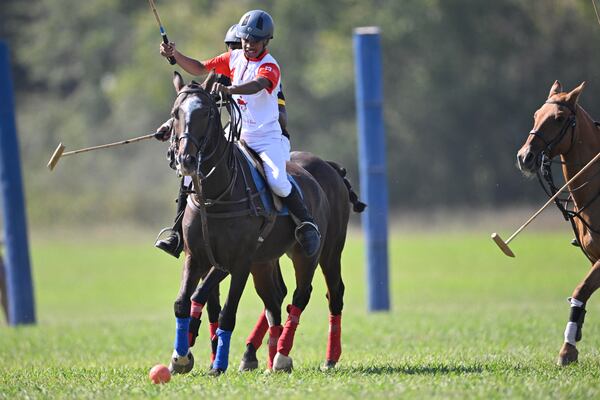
x: 189, y: 160
x: 528, y: 158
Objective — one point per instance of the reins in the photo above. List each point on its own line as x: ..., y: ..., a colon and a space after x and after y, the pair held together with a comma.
x: 198, y: 199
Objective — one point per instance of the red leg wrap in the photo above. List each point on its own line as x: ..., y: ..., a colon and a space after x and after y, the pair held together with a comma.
x: 274, y: 334
x: 258, y: 333
x: 212, y: 331
x: 196, y: 309
x: 334, y: 342
x: 286, y: 340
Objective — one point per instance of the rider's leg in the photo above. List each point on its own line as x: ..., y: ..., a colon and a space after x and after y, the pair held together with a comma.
x: 173, y: 243
x: 307, y: 232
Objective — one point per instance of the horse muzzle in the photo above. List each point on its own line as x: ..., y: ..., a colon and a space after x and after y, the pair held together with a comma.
x: 527, y: 159
x: 187, y: 164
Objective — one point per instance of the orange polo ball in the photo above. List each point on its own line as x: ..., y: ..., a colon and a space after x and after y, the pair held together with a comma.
x: 160, y: 374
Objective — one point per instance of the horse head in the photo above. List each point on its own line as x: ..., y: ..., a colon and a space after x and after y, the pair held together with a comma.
x: 196, y: 125
x: 553, y: 131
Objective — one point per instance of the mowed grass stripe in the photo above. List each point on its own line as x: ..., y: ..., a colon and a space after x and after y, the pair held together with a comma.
x: 466, y: 321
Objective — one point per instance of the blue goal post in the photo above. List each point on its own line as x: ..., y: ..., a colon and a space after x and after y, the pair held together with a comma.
x: 372, y: 163
x: 19, y: 287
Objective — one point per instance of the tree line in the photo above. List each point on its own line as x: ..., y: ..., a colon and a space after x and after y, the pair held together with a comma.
x: 462, y: 79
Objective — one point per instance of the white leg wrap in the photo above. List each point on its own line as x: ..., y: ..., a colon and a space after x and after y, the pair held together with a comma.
x: 570, y: 332
x: 574, y: 302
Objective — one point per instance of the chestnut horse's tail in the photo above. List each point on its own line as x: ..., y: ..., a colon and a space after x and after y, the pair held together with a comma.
x: 357, y: 205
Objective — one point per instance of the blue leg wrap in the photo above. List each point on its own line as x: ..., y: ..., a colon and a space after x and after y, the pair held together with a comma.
x: 222, y: 357
x: 181, y: 336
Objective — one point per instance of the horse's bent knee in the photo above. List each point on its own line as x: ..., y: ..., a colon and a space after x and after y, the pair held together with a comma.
x: 182, y: 308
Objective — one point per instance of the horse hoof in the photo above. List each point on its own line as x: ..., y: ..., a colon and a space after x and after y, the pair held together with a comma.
x: 249, y: 365
x: 282, y: 363
x: 568, y: 354
x: 181, y: 364
x: 216, y: 372
x: 329, y: 365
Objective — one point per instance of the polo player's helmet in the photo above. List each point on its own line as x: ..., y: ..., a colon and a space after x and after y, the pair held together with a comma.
x: 231, y: 35
x: 256, y: 25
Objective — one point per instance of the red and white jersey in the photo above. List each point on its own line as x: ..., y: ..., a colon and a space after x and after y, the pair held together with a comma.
x: 260, y: 113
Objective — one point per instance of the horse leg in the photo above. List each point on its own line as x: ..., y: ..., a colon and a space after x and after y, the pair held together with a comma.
x: 568, y: 353
x: 188, y: 315
x: 182, y: 360
x: 305, y: 269
x: 213, y: 307
x: 227, y: 318
x: 269, y: 285
x: 332, y: 270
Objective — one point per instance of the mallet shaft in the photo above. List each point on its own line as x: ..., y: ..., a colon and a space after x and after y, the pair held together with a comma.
x: 105, y: 146
x: 163, y: 33
x: 504, y: 244
x: 558, y: 192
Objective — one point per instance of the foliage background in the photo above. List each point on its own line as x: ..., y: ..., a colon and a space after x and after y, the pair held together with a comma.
x: 462, y: 80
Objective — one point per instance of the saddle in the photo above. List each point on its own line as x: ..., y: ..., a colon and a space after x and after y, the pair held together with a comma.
x: 270, y: 199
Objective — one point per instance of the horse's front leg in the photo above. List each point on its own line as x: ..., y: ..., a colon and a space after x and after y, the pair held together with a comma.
x: 187, y: 313
x: 568, y: 353
x: 182, y: 360
x: 227, y: 318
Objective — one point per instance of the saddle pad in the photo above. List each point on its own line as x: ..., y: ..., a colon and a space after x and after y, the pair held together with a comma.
x: 271, y: 201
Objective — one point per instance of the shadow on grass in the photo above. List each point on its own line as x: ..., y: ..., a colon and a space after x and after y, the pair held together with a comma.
x: 437, y: 369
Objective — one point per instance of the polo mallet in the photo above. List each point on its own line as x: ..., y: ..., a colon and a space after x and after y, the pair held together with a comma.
x: 504, y: 244
x: 59, y: 152
x: 163, y: 33
x: 596, y: 11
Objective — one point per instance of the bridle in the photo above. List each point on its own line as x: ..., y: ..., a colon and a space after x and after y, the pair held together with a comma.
x: 200, y: 144
x: 570, y: 122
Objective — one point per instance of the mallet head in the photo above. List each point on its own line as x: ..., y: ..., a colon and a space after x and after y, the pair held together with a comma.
x: 56, y: 156
x: 502, y: 244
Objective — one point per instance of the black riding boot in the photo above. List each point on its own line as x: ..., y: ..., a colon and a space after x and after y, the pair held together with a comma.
x: 173, y: 243
x: 307, y: 232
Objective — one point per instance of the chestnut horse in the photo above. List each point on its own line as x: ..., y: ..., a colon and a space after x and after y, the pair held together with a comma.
x: 562, y: 128
x: 225, y: 232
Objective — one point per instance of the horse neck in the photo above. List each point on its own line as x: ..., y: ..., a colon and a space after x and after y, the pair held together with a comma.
x: 586, y: 145
x: 220, y: 178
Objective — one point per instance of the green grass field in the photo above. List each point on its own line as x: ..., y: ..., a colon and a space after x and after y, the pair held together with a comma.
x: 466, y: 322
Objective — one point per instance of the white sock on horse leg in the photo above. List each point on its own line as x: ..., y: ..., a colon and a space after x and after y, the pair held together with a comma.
x: 571, y: 328
x: 570, y: 332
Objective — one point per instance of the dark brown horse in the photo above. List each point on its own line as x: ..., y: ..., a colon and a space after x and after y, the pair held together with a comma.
x: 338, y: 190
x: 563, y: 129
x: 227, y: 232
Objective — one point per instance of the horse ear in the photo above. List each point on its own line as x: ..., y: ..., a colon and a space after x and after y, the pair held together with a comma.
x: 178, y: 81
x: 208, y: 82
x: 555, y: 89
x: 573, y: 96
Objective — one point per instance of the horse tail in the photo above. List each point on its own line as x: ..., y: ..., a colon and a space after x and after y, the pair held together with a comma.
x: 357, y: 205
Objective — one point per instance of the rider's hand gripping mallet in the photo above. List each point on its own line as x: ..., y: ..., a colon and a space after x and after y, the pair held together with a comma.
x: 504, y: 244
x: 163, y: 33
x: 59, y: 152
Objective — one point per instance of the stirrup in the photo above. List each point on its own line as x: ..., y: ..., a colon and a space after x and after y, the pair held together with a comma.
x: 176, y: 250
x: 302, y: 225
x: 167, y: 229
